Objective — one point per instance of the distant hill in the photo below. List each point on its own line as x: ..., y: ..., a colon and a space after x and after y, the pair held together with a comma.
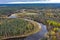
x: 53, y: 5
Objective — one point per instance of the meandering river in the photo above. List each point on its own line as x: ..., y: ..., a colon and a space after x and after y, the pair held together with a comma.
x: 38, y: 35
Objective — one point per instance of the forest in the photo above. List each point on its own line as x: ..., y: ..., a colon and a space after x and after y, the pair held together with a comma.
x: 11, y: 27
x: 49, y: 17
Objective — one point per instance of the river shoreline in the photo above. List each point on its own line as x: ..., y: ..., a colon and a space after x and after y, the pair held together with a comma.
x: 37, y: 35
